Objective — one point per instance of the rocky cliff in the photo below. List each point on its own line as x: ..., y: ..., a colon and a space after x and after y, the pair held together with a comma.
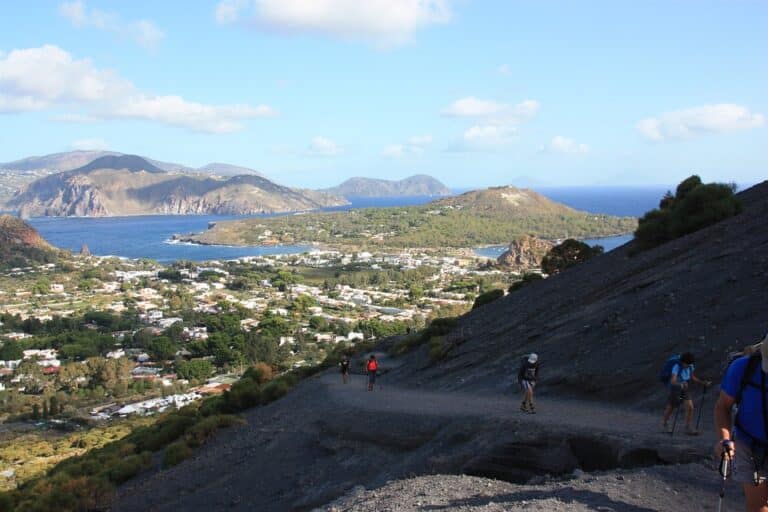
x: 130, y: 185
x: 524, y: 253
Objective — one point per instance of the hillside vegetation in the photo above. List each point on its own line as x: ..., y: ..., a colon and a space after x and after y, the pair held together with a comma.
x: 491, y: 216
x: 694, y: 205
x: 21, y: 245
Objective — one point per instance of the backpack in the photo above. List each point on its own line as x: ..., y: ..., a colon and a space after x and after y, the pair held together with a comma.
x: 527, y: 370
x: 372, y: 365
x: 665, y: 375
x: 746, y: 380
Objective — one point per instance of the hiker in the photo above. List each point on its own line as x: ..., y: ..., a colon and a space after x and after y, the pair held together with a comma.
x: 745, y: 439
x: 371, y: 367
x: 526, y: 377
x: 344, y: 366
x: 680, y: 377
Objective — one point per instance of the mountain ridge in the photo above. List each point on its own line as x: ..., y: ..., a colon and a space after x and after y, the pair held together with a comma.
x: 117, y: 185
x: 416, y: 185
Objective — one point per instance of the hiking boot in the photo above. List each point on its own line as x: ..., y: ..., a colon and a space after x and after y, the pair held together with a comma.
x: 531, y: 409
x: 524, y: 406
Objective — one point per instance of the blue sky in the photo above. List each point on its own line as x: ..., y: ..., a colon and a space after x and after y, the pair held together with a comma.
x: 475, y: 93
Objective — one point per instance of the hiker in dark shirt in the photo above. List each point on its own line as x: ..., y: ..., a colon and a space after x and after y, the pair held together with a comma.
x: 344, y: 367
x: 529, y: 372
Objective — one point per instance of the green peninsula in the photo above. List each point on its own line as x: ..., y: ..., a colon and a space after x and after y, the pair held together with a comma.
x: 482, y: 217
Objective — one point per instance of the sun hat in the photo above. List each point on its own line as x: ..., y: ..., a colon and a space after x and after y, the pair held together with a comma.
x: 533, y: 358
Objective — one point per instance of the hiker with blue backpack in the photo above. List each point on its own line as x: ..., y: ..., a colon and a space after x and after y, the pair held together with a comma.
x: 743, y: 439
x: 677, y: 374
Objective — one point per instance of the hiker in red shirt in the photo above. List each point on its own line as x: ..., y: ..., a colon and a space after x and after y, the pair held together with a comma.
x: 371, y: 367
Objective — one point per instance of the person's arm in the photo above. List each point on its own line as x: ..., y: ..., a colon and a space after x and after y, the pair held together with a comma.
x: 697, y: 380
x: 723, y: 423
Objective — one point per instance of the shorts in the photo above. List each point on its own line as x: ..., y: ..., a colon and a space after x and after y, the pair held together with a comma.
x: 527, y: 384
x: 678, y: 395
x: 743, y: 466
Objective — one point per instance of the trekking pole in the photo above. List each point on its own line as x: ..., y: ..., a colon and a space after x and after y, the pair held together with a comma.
x: 701, y: 407
x: 674, y: 422
x: 725, y: 463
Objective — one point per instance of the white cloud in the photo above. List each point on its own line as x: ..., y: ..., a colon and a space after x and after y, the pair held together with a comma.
x: 504, y: 69
x: 49, y: 77
x: 484, y: 137
x: 474, y: 107
x: 383, y: 22
x: 414, y: 146
x: 681, y: 124
x: 560, y: 144
x: 324, y: 147
x: 90, y: 145
x: 143, y: 32
x: 175, y: 110
x: 502, y: 112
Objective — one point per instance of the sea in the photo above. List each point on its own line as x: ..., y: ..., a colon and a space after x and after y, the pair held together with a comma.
x: 151, y: 236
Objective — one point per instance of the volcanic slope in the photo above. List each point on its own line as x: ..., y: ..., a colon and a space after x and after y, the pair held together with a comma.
x: 602, y: 330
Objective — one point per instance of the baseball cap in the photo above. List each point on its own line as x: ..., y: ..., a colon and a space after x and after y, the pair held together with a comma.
x: 533, y: 358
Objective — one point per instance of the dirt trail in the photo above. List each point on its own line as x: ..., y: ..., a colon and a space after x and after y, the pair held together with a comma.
x: 326, y: 438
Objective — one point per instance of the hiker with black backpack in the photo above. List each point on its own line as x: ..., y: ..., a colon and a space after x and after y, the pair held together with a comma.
x: 344, y: 367
x: 679, y: 377
x: 743, y: 440
x: 526, y: 377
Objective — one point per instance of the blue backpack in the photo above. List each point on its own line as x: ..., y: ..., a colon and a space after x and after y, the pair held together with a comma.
x: 665, y: 375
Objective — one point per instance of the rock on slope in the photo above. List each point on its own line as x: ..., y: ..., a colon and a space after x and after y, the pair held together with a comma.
x: 603, y: 328
x: 645, y: 490
x: 525, y: 253
x: 130, y: 185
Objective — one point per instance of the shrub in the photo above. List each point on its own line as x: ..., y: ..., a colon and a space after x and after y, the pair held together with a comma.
x: 163, y: 432
x: 487, y: 297
x: 694, y: 206
x: 437, y: 348
x: 525, y: 281
x: 568, y: 254
x: 127, y: 468
x: 176, y: 453
x: 206, y: 428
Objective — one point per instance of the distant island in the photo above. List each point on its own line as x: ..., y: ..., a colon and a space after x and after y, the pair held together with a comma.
x: 483, y: 217
x: 16, y: 175
x: 116, y: 185
x: 419, y: 185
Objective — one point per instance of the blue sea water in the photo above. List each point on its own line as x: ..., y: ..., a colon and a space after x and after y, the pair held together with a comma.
x: 149, y: 236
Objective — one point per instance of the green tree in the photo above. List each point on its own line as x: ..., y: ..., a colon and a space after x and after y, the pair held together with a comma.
x: 196, y: 369
x: 162, y: 348
x: 567, y: 254
x: 11, y: 351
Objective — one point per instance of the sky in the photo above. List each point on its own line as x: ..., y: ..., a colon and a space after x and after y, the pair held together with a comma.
x: 473, y: 92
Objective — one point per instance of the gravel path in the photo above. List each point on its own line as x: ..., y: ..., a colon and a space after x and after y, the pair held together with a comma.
x: 326, y: 438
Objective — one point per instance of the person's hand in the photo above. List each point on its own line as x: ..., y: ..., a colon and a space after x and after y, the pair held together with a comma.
x: 707, y: 383
x: 725, y: 445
